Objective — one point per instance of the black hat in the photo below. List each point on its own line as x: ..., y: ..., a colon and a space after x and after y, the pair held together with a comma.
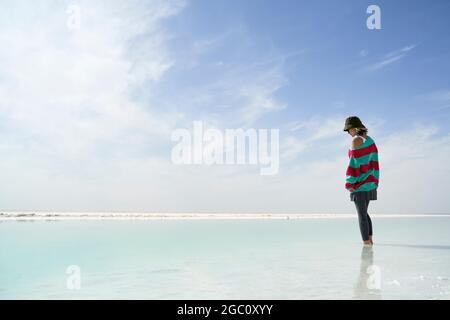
x: 353, y: 122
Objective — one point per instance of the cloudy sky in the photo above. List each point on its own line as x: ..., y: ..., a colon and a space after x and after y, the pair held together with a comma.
x: 88, y: 106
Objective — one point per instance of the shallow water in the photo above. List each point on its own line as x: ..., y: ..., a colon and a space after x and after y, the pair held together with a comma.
x: 226, y: 259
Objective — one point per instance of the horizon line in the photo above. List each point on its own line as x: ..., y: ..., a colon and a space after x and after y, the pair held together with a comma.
x: 111, y: 215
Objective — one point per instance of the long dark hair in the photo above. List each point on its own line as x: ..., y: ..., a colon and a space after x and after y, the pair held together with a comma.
x: 361, y: 131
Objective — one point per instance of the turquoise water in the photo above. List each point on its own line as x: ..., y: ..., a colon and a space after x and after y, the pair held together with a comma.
x: 226, y: 259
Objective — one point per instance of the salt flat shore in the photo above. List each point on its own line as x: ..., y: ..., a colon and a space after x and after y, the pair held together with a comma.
x: 50, y: 215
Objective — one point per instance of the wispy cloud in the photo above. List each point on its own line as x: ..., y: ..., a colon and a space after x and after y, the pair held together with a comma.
x: 81, y: 117
x: 363, y: 53
x: 73, y: 90
x: 323, y: 135
x: 235, y: 93
x: 390, y: 58
x: 438, y: 100
x: 301, y: 136
x: 438, y: 96
x: 258, y: 96
x: 206, y: 45
x: 421, y: 146
x: 400, y: 51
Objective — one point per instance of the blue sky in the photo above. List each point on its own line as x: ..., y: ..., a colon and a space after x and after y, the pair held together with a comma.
x: 326, y: 52
x: 87, y: 114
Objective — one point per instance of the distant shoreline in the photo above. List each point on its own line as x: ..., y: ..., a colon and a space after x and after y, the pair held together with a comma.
x: 48, y: 215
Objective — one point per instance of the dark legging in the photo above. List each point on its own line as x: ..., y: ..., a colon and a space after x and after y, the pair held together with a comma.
x: 365, y: 224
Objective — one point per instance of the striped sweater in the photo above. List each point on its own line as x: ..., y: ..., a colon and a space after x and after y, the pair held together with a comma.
x: 363, y: 171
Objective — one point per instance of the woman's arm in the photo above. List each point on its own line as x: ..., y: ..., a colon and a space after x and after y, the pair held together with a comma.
x: 357, y: 142
x: 353, y: 166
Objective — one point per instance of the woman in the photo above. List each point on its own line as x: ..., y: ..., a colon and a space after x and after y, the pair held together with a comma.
x: 362, y: 174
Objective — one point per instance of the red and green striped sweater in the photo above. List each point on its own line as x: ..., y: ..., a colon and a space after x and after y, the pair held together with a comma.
x: 363, y: 171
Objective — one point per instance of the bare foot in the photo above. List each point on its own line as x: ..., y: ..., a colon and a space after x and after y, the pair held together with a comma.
x: 370, y: 239
x: 367, y: 243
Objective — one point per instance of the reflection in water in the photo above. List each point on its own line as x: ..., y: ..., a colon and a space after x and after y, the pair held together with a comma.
x: 368, y: 285
x: 418, y: 246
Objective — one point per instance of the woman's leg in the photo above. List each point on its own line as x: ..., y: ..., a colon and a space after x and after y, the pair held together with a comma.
x: 361, y: 208
x: 370, y: 224
x: 369, y: 220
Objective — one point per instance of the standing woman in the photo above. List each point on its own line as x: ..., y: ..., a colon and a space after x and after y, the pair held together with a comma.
x: 362, y: 174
